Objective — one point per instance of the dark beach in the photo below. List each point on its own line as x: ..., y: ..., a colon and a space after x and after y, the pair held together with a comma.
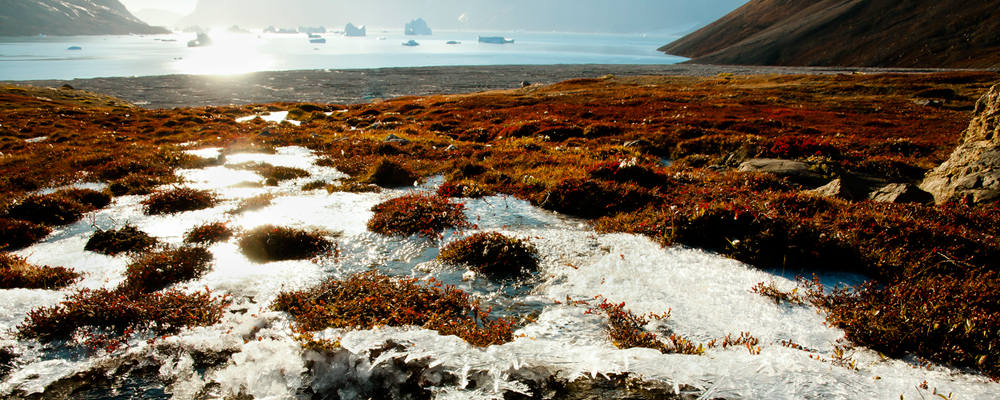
x: 351, y: 86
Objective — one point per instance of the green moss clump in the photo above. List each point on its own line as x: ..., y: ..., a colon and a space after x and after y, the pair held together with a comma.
x: 271, y: 243
x: 493, y: 254
x: 423, y: 214
x: 15, y: 272
x: 179, y: 200
x: 127, y: 239
x: 370, y: 299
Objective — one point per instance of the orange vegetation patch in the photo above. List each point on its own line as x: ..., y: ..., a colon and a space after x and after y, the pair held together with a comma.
x: 370, y: 299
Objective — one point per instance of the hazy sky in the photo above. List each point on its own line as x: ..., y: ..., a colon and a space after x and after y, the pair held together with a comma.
x: 182, y: 7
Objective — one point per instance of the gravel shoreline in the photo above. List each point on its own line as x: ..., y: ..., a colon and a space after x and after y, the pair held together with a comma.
x: 349, y: 86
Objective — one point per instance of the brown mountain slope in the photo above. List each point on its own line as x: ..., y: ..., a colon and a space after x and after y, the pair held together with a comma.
x: 855, y: 33
x: 68, y: 18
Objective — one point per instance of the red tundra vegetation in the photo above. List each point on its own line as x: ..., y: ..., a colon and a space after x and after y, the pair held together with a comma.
x: 655, y: 156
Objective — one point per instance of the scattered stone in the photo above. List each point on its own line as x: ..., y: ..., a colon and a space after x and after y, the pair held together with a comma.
x: 265, y: 133
x: 525, y: 83
x: 834, y: 189
x: 972, y: 173
x: 392, y: 138
x: 451, y: 147
x: 796, y: 171
x: 67, y: 87
x: 901, y: 193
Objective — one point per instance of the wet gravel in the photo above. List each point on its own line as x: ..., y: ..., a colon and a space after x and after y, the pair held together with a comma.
x: 350, y: 86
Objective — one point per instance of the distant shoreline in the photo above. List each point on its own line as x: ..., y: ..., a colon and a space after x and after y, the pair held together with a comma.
x: 349, y: 86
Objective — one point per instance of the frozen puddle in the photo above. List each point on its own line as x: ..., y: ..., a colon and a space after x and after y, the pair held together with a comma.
x: 253, y: 351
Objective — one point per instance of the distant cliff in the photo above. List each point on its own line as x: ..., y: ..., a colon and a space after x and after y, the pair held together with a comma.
x: 68, y: 18
x: 858, y: 33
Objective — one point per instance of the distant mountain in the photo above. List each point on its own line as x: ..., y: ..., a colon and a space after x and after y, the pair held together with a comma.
x: 623, y: 16
x: 158, y: 17
x: 69, y: 17
x: 858, y: 33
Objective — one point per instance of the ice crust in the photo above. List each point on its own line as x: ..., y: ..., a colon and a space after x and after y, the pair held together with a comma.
x: 254, y: 351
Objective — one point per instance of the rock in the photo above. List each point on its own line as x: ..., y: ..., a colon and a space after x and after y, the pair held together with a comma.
x: 67, y: 87
x: 396, y: 139
x: 354, y: 31
x: 901, y: 193
x: 796, y: 171
x: 835, y: 189
x: 417, y: 27
x: 972, y: 173
x: 451, y: 147
x: 525, y: 83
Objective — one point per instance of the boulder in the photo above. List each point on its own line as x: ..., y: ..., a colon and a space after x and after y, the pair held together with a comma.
x: 354, y: 31
x: 795, y: 171
x: 417, y: 27
x: 391, y: 138
x: 901, y: 193
x: 836, y: 189
x: 972, y: 173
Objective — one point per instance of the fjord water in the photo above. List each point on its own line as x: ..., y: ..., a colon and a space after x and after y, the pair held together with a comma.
x: 708, y: 297
x: 32, y: 58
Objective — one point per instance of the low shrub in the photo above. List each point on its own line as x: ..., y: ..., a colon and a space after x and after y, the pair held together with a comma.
x: 90, y: 198
x: 592, y: 198
x: 101, y: 312
x: 136, y: 185
x: 48, y: 209
x: 628, y: 172
x: 211, y: 232
x: 271, y: 243
x: 15, y: 273
x: 127, y: 239
x: 268, y: 171
x: 157, y: 271
x: 254, y: 203
x: 177, y: 200
x: 416, y: 213
x: 16, y: 234
x: 370, y: 299
x: 314, y: 185
x: 492, y: 254
x: 350, y: 186
x: 388, y: 173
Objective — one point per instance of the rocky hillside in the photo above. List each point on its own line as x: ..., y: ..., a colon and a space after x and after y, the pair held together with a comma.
x: 870, y: 33
x: 68, y: 18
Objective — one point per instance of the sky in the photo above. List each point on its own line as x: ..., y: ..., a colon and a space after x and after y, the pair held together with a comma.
x: 182, y: 7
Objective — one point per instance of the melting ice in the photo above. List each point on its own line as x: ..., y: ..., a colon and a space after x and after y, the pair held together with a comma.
x: 256, y: 353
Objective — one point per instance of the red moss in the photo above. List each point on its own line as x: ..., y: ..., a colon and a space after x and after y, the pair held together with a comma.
x: 370, y: 299
x: 15, y: 234
x: 179, y: 200
x: 15, y: 272
x: 159, y: 270
x: 211, y: 232
x: 271, y: 243
x: 48, y: 209
x: 416, y: 214
x: 127, y: 239
x: 493, y: 254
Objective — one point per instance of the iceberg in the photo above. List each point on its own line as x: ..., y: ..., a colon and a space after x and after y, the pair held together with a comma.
x: 351, y: 30
x: 417, y: 27
x: 495, y: 39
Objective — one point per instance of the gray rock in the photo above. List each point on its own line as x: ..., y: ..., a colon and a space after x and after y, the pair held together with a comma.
x: 901, y: 193
x: 451, y: 147
x: 972, y: 173
x: 796, y: 171
x: 392, y: 138
x: 836, y: 189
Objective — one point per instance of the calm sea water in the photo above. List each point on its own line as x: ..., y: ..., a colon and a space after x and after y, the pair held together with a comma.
x: 29, y: 58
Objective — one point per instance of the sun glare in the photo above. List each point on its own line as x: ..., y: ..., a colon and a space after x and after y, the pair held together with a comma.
x: 230, y: 54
